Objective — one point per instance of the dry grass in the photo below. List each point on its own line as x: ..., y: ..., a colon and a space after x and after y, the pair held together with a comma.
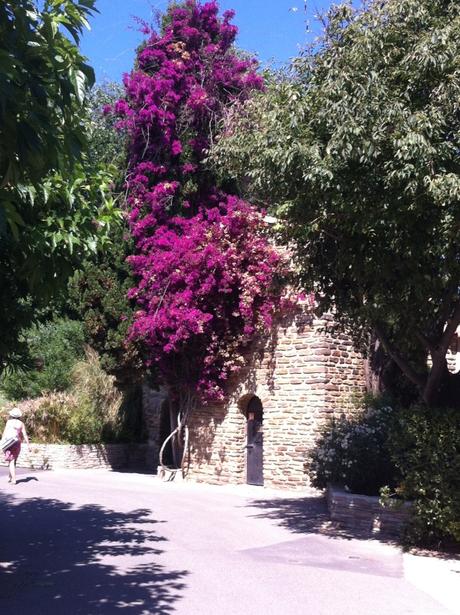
x: 84, y: 414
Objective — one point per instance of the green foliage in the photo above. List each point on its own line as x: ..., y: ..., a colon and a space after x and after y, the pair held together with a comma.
x: 43, y: 83
x: 64, y: 220
x: 357, y: 149
x: 98, y: 291
x: 91, y: 411
x: 98, y: 296
x: 102, y: 413
x: 16, y: 311
x: 46, y: 418
x: 43, y: 89
x: 106, y: 144
x: 52, y: 349
x: 130, y: 419
x: 354, y: 451
x: 56, y: 206
x: 406, y: 454
x: 83, y: 425
x: 425, y: 447
x: 98, y: 402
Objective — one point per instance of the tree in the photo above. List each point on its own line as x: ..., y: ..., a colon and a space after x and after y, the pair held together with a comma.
x: 205, y: 272
x: 106, y: 144
x: 98, y: 290
x: 55, y: 207
x: 359, y: 150
x: 43, y: 83
x: 98, y: 295
x: 53, y: 349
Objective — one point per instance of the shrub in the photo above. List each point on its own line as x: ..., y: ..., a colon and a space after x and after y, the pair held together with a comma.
x: 92, y: 411
x: 84, y: 426
x: 53, y: 349
x: 129, y: 425
x: 98, y: 297
x: 92, y: 384
x: 354, y: 451
x: 412, y: 453
x: 46, y: 417
x: 425, y: 447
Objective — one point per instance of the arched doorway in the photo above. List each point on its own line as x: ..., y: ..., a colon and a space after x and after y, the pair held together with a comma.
x: 255, y: 442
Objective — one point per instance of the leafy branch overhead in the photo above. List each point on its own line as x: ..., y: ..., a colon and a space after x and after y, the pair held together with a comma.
x: 43, y: 83
x: 56, y: 206
x: 357, y: 149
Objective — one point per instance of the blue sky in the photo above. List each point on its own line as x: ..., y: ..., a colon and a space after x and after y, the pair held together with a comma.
x: 274, y: 30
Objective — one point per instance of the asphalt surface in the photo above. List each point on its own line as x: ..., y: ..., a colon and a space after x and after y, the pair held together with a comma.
x: 101, y: 543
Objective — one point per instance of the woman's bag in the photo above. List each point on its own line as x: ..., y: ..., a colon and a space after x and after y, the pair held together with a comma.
x: 8, y: 443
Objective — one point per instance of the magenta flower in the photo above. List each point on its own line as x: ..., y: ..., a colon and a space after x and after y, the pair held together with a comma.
x: 206, y: 273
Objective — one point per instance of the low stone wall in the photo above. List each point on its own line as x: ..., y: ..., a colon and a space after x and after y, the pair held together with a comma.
x: 365, y: 515
x: 89, y: 456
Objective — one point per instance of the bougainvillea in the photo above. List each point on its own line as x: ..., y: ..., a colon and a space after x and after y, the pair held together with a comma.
x: 206, y: 272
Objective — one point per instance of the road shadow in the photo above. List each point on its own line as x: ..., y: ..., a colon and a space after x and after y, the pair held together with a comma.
x: 26, y: 480
x: 56, y: 558
x: 309, y: 515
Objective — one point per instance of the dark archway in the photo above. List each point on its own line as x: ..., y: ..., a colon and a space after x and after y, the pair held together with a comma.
x: 255, y: 442
x: 166, y: 427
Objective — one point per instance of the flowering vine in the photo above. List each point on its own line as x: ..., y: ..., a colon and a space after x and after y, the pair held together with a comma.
x: 206, y: 272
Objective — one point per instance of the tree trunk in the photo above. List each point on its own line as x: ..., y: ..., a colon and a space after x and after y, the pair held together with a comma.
x: 434, y: 382
x: 443, y: 389
x: 175, y: 441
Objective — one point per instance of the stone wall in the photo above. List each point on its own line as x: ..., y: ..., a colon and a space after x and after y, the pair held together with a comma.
x: 302, y: 375
x: 88, y: 456
x: 365, y: 515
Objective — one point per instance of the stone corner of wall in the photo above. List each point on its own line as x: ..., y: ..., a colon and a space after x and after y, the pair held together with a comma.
x: 366, y: 514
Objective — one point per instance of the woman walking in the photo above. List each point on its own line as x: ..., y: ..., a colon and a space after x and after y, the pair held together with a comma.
x: 14, y: 428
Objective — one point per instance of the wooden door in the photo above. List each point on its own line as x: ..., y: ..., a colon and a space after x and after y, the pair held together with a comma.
x: 255, y: 443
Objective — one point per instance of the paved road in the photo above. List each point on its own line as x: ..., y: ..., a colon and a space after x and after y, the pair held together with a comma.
x: 100, y: 543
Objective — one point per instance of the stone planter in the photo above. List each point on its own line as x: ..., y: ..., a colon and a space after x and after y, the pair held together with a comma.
x: 89, y: 456
x: 365, y: 515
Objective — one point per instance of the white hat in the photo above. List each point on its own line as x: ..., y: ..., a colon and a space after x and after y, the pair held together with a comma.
x: 15, y: 413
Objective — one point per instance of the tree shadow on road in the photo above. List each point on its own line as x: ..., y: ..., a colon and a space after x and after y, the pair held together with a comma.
x: 309, y: 515
x: 57, y: 558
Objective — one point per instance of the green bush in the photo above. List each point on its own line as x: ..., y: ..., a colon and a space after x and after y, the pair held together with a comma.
x: 84, y: 426
x: 354, y: 451
x: 46, y: 420
x: 98, y: 296
x: 425, y: 447
x: 129, y: 425
x: 413, y: 454
x: 53, y: 349
x: 45, y: 417
x: 104, y: 414
x: 90, y: 412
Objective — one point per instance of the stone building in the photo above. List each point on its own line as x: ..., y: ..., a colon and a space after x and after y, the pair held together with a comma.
x: 304, y: 374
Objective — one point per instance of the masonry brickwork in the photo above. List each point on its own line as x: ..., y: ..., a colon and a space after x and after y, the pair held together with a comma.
x: 365, y: 514
x: 303, y: 375
x: 88, y: 456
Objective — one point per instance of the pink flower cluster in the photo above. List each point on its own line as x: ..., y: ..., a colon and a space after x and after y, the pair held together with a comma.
x: 206, y: 289
x: 205, y: 270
